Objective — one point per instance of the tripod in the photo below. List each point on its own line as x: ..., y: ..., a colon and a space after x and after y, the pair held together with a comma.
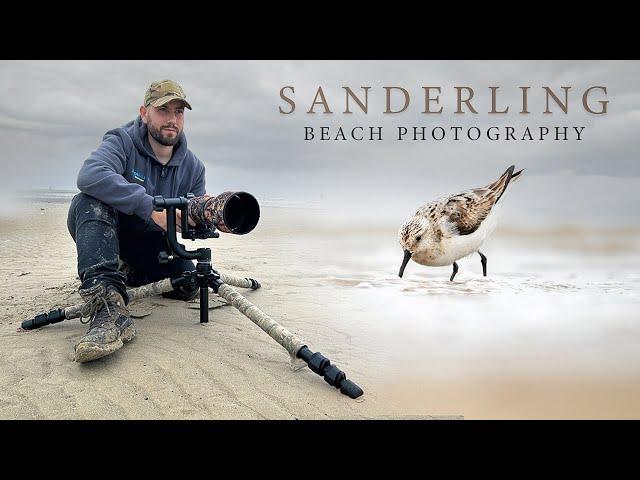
x: 204, y: 275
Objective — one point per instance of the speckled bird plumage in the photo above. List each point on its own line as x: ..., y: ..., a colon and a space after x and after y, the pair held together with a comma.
x: 455, y: 226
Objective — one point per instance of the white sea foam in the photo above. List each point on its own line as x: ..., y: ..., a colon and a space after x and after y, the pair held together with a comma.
x: 550, y: 306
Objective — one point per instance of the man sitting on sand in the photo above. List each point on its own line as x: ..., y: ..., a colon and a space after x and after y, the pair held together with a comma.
x: 112, y: 220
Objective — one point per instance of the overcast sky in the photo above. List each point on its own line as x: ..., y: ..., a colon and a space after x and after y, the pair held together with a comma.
x: 54, y: 114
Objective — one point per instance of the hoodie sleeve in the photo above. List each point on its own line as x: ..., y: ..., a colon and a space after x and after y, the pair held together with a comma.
x: 101, y: 176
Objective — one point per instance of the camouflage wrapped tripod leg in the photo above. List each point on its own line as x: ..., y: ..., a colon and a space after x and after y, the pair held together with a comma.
x: 163, y: 286
x: 284, y: 337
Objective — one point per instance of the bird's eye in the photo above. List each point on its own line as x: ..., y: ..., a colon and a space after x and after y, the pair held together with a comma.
x: 418, y: 238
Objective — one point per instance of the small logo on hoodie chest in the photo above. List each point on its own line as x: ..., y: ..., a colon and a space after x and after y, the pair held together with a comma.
x: 138, y: 176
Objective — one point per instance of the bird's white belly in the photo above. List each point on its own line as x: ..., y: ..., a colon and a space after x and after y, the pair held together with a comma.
x: 459, y: 246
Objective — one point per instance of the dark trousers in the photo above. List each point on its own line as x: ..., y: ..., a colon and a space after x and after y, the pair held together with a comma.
x: 104, y: 236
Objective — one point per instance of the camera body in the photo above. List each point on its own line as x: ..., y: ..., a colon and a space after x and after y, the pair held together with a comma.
x: 202, y: 230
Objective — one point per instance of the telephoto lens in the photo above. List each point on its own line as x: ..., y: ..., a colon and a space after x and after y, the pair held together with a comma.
x: 230, y: 212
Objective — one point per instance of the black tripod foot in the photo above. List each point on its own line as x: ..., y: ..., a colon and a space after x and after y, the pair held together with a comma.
x: 335, y: 377
x: 54, y: 316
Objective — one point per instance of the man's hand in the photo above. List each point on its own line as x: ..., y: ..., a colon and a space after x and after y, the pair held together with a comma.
x: 160, y: 219
x: 179, y: 219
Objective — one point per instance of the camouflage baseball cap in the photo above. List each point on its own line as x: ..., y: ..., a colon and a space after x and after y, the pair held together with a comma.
x: 163, y: 92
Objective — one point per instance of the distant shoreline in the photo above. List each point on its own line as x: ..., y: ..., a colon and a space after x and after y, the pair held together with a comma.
x: 65, y: 196
x: 46, y: 195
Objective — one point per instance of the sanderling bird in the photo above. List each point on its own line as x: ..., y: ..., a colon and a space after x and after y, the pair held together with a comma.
x: 450, y: 228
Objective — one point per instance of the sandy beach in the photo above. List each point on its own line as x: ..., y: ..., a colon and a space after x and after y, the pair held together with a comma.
x: 552, y: 332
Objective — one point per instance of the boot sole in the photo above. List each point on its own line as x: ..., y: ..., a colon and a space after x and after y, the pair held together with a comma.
x: 88, y: 351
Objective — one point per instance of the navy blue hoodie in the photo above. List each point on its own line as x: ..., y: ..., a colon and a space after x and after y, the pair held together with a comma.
x: 125, y: 173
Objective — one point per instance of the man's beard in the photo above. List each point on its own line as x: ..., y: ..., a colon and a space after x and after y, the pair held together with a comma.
x: 162, y: 139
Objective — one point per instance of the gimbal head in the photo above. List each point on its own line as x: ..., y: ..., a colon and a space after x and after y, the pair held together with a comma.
x: 204, y: 275
x: 198, y: 232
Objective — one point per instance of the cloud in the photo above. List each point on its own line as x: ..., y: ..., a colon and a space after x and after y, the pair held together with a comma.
x: 54, y: 114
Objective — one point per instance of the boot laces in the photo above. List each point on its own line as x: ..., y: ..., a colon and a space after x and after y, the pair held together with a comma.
x: 96, y: 298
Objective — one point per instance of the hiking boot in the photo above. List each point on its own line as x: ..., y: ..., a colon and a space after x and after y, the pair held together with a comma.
x: 109, y: 327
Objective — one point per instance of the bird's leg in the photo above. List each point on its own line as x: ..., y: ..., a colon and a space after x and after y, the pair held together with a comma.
x: 455, y: 270
x: 483, y: 260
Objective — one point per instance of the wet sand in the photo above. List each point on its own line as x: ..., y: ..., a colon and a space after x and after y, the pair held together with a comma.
x: 551, y: 333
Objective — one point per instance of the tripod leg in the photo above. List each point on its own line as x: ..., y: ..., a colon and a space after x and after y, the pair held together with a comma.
x: 317, y: 362
x: 204, y: 303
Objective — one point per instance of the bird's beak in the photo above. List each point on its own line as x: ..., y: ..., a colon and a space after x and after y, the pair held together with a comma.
x: 405, y: 260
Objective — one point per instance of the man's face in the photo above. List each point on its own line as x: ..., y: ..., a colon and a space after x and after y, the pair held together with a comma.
x: 165, y: 123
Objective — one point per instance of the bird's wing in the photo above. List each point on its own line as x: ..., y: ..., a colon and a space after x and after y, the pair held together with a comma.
x: 466, y: 211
